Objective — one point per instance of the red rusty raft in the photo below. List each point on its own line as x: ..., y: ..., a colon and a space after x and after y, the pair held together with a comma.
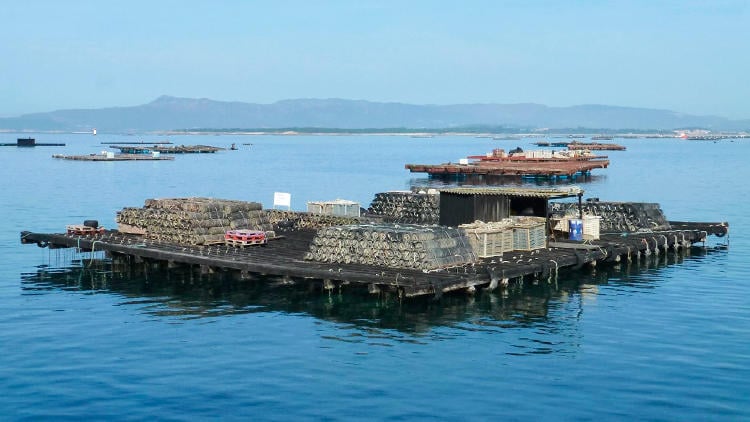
x: 537, y: 163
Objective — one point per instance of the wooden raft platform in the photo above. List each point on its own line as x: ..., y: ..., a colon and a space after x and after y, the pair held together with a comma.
x: 284, y: 257
x: 596, y: 146
x: 138, y: 143
x: 176, y: 149
x: 592, y: 146
x: 512, y: 168
x: 115, y: 157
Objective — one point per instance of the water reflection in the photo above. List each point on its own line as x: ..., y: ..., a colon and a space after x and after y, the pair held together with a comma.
x: 550, y: 306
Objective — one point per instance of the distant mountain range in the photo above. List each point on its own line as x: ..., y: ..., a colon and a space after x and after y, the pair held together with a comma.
x: 172, y: 113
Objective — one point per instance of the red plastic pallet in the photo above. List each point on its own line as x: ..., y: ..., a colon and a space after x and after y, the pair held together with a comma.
x: 249, y: 236
x: 79, y: 230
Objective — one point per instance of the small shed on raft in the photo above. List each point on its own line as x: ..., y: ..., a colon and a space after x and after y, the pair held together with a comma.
x: 467, y: 204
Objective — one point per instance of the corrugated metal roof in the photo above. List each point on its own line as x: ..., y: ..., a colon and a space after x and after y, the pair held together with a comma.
x: 548, y: 193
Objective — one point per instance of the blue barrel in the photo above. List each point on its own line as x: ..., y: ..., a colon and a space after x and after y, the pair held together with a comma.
x: 576, y: 229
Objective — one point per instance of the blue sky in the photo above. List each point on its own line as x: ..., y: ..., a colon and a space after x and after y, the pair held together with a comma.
x: 687, y: 56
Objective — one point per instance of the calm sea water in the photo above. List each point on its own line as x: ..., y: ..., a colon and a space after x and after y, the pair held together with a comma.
x: 666, y: 339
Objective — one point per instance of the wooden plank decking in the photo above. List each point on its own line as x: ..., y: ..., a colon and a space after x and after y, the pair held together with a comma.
x: 592, y: 146
x: 173, y: 149
x: 284, y: 257
x: 115, y: 157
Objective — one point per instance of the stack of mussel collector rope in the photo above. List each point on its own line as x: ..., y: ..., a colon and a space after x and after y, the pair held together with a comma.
x: 192, y: 221
x: 407, y: 207
x: 392, y: 245
x: 617, y: 217
x: 284, y: 220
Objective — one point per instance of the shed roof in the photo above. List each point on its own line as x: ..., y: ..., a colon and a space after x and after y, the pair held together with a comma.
x: 547, y: 193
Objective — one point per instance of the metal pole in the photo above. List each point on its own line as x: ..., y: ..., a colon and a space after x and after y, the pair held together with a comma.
x: 580, y: 206
x: 547, y: 228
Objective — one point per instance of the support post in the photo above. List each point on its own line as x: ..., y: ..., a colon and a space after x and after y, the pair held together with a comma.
x: 547, y: 228
x: 580, y: 206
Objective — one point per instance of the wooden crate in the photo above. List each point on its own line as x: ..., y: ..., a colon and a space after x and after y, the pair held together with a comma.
x: 529, y: 237
x: 591, y: 224
x: 338, y: 207
x: 591, y: 227
x: 560, y: 224
x: 487, y: 243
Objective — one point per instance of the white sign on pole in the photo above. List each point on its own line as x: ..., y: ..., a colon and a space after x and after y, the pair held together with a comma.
x: 282, y: 199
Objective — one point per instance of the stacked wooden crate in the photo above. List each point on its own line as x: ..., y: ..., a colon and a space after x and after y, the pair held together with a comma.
x: 489, y: 239
x: 529, y: 233
x: 591, y: 225
x: 338, y: 207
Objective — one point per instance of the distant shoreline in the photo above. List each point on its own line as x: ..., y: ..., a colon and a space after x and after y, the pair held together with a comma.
x: 505, y: 134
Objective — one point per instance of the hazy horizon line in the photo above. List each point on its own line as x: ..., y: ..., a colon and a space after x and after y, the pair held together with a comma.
x: 157, y: 98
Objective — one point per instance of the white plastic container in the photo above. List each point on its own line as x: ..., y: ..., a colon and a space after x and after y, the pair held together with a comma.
x: 591, y: 224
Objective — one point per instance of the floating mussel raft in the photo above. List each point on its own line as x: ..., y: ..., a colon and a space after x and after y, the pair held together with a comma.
x: 484, y: 245
x: 162, y: 149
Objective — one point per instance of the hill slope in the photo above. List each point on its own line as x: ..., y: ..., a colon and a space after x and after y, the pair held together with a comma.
x: 170, y: 113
